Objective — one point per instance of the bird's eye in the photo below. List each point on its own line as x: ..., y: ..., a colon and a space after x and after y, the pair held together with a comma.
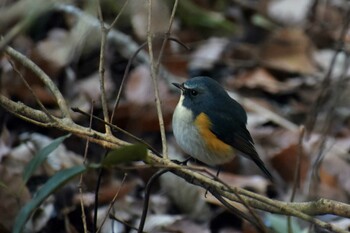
x: 194, y: 92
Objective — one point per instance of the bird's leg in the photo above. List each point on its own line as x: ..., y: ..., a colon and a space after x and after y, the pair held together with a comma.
x: 218, y: 171
x: 182, y: 162
x: 217, y: 176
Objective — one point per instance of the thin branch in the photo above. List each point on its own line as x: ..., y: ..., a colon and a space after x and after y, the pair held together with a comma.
x: 147, y: 196
x: 101, y: 69
x: 105, y: 29
x: 296, y: 181
x: 119, y: 129
x: 167, y: 35
x: 118, y: 16
x: 325, y: 86
x: 31, y: 91
x: 112, y: 203
x: 123, y: 222
x: 97, y: 189
x: 155, y: 83
x: 83, y: 214
x: 259, y: 222
x: 126, y: 72
x: 43, y: 77
x: 237, y: 212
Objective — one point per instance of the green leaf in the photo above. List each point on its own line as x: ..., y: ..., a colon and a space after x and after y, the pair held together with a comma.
x: 40, y: 157
x: 49, y: 187
x: 279, y: 224
x: 125, y: 154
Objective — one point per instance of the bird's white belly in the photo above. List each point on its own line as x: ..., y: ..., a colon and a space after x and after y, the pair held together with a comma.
x: 189, y: 138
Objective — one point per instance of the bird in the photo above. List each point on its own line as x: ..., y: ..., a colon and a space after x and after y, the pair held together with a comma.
x: 210, y: 126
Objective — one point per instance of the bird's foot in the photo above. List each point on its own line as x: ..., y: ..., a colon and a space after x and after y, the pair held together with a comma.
x: 181, y: 162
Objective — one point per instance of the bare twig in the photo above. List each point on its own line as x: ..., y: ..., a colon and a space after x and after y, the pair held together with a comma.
x: 259, y: 222
x: 101, y: 69
x: 326, y: 84
x: 330, y: 96
x: 119, y: 129
x: 43, y: 77
x: 147, y: 196
x: 127, y: 69
x: 31, y: 91
x: 237, y: 212
x: 83, y: 215
x: 296, y: 182
x: 167, y: 35
x: 97, y: 189
x: 118, y: 16
x: 112, y: 203
x: 126, y: 72
x: 123, y: 222
x: 155, y: 83
x: 105, y: 29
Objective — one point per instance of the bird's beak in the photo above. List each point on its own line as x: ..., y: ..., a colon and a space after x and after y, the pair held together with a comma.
x: 180, y: 86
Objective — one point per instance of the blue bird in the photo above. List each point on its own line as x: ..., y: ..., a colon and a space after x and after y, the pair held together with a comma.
x: 210, y: 126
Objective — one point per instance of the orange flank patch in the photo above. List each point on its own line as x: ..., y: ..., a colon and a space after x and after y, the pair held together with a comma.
x: 211, y: 140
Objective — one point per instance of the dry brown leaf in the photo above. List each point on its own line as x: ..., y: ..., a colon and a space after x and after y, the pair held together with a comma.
x: 285, y: 163
x: 260, y: 78
x: 288, y: 49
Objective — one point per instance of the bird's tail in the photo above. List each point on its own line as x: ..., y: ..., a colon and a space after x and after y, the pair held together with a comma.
x: 262, y: 167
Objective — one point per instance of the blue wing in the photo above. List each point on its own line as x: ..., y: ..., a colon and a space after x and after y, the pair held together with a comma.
x: 230, y: 127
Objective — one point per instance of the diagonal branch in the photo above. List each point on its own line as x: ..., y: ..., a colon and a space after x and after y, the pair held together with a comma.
x: 43, y: 77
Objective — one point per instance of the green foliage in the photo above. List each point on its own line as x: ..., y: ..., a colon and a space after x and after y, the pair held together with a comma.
x: 125, y: 154
x: 40, y: 157
x: 49, y: 187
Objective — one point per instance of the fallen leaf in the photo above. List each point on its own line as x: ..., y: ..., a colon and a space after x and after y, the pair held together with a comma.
x: 288, y: 49
x: 260, y: 78
x: 285, y: 163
